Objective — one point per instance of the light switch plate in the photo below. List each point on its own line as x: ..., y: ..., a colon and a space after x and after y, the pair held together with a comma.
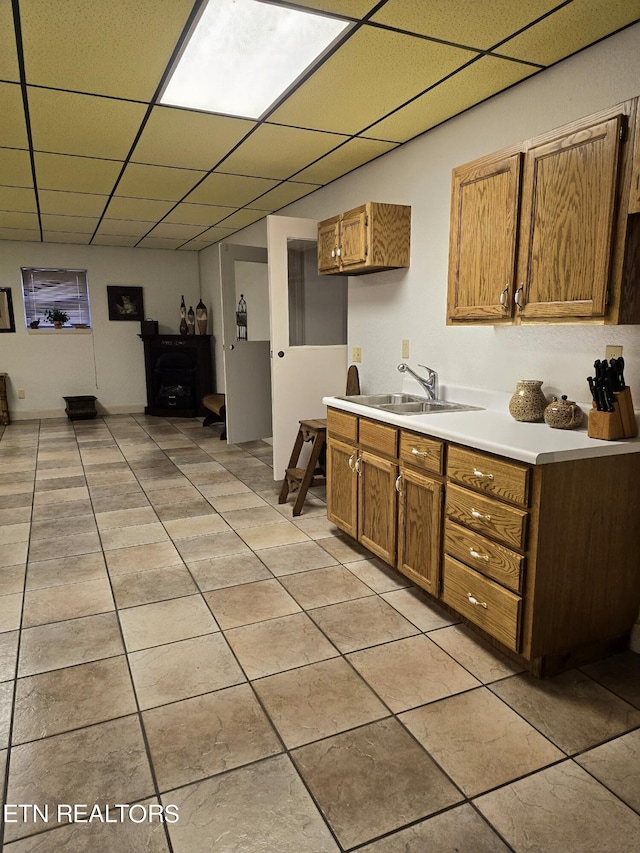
x: 356, y: 355
x: 405, y: 349
x: 612, y: 352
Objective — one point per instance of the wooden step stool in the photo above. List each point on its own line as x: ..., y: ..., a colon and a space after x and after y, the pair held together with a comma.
x: 299, y: 479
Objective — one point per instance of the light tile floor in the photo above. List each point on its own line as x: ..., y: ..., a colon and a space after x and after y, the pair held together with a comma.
x: 170, y: 635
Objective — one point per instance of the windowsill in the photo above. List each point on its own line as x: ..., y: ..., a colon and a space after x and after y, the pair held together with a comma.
x: 68, y: 330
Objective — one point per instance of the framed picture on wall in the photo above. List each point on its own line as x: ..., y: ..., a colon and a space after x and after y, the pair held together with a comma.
x: 7, y: 321
x: 125, y: 303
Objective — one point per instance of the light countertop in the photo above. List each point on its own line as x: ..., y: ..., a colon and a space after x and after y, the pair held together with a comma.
x: 494, y: 430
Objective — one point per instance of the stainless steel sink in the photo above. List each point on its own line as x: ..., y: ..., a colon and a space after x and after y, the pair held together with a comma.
x: 382, y: 399
x: 408, y: 404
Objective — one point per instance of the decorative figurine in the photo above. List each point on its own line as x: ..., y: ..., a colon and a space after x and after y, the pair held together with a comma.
x: 201, y: 317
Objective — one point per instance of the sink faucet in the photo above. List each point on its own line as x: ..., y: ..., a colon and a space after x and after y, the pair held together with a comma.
x: 430, y: 384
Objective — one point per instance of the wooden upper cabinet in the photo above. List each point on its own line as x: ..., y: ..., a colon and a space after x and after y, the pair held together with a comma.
x: 567, y: 223
x: 482, y: 247
x: 369, y: 238
x: 542, y: 233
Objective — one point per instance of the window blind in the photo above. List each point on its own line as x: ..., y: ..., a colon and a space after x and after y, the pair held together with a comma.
x: 66, y: 290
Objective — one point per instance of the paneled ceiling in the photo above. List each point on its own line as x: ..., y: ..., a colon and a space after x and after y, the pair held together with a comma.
x: 88, y: 156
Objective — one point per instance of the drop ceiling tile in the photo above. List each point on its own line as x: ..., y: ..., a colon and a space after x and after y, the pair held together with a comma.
x: 352, y: 8
x: 19, y: 234
x: 119, y: 48
x: 71, y: 204
x: 124, y: 228
x: 242, y: 218
x: 76, y: 224
x: 274, y: 151
x: 198, y: 214
x: 161, y: 182
x: 113, y: 240
x: 571, y: 28
x: 66, y: 237
x: 76, y: 174
x: 229, y: 190
x: 18, y: 198
x: 174, y: 231
x: 8, y: 55
x: 349, y: 156
x: 13, y: 130
x: 215, y: 234
x: 467, y: 22
x: 15, y: 219
x: 337, y: 97
x: 198, y: 245
x: 193, y: 140
x: 15, y: 168
x: 68, y: 123
x: 484, y: 78
x: 286, y: 193
x: 160, y: 243
x: 138, y: 208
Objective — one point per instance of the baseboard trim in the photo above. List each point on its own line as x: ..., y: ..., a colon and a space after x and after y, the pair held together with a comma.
x: 45, y: 414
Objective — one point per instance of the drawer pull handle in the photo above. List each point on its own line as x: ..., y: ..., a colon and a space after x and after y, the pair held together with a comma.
x: 398, y: 484
x: 482, y: 476
x: 417, y: 452
x: 478, y: 556
x: 473, y: 600
x: 480, y: 515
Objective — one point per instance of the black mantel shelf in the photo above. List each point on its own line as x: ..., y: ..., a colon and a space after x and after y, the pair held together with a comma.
x: 191, y: 370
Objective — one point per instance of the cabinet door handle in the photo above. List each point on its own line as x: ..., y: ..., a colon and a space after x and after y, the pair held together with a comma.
x: 477, y: 556
x: 518, y: 298
x: 351, y: 458
x: 482, y: 476
x: 357, y: 466
x: 503, y: 298
x: 480, y: 515
x: 339, y: 251
x: 417, y: 452
x: 333, y: 253
x: 473, y: 600
x: 398, y: 484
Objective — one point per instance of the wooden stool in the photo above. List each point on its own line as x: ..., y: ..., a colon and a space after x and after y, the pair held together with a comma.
x: 315, y: 473
x: 215, y: 404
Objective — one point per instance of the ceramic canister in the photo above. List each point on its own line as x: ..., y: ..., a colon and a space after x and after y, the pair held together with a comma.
x: 528, y: 402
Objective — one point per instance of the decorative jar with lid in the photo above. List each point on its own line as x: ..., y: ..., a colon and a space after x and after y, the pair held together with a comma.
x: 563, y: 414
x: 528, y: 402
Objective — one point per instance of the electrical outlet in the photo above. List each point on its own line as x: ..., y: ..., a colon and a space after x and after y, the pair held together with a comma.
x: 357, y: 355
x: 21, y: 394
x: 405, y: 349
x: 612, y: 352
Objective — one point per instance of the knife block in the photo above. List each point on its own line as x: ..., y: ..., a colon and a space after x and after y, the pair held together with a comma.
x: 621, y: 423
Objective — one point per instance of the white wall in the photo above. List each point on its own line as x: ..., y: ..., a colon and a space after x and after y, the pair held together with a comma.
x: 385, y: 308
x: 108, y: 362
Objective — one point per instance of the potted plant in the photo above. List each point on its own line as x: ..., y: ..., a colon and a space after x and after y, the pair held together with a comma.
x: 56, y: 316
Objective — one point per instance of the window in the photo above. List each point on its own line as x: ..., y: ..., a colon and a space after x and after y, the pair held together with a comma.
x: 66, y: 290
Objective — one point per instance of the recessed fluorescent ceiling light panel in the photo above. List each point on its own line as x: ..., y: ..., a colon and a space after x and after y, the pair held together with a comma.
x: 243, y: 54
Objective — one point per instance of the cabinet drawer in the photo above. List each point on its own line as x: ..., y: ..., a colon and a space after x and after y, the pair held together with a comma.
x: 342, y: 424
x: 377, y: 436
x: 505, y: 523
x: 423, y: 452
x: 490, y: 606
x: 487, y: 557
x: 506, y: 480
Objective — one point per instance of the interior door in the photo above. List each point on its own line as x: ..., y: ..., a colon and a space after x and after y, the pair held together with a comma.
x: 308, y: 332
x: 247, y: 363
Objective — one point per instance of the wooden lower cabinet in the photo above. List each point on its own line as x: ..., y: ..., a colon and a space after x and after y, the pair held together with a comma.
x: 419, y: 525
x: 542, y: 559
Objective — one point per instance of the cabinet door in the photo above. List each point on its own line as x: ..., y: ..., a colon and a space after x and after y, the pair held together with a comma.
x: 419, y: 515
x: 353, y: 236
x: 377, y: 514
x: 482, y: 245
x: 328, y: 244
x: 567, y: 219
x: 342, y: 488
